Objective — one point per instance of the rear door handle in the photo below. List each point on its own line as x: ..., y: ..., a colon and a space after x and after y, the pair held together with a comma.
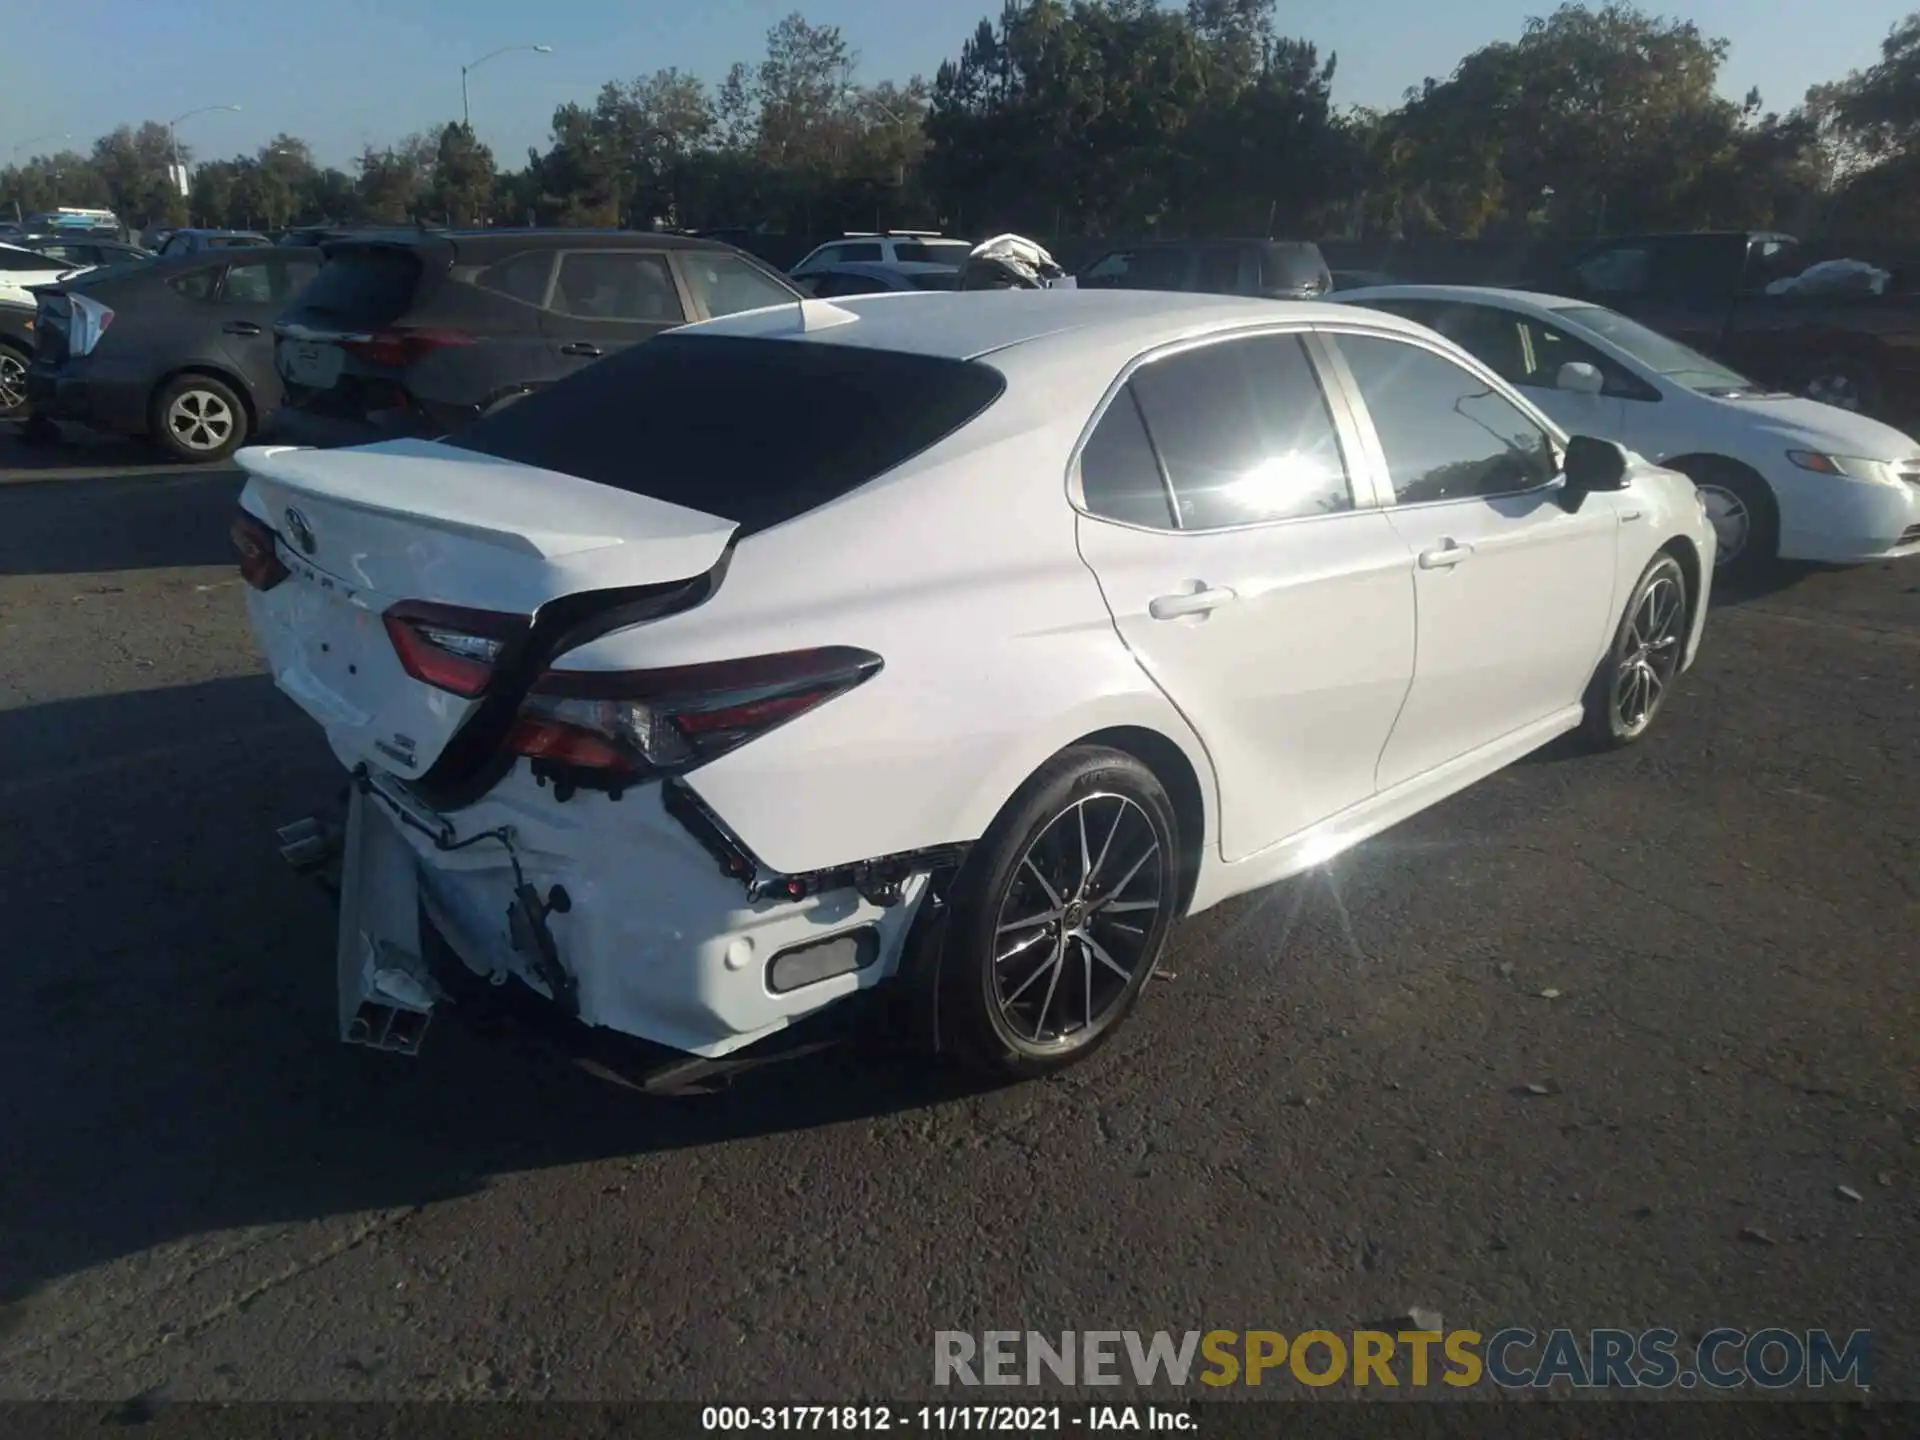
x: 240, y: 327
x: 1445, y: 556
x: 1626, y: 515
x: 580, y: 347
x: 1190, y: 602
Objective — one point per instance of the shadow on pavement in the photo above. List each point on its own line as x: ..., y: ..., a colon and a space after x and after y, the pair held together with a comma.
x: 61, y: 526
x: 1781, y: 575
x: 167, y: 1041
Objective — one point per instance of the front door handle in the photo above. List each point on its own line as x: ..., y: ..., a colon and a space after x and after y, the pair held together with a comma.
x: 1627, y: 515
x: 240, y: 327
x: 1449, y: 553
x: 1189, y: 602
x: 581, y: 347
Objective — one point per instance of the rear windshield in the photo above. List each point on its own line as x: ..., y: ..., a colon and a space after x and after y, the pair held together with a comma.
x: 755, y: 431
x: 368, y: 285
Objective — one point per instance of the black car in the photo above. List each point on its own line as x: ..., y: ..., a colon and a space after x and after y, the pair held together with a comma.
x: 89, y: 252
x: 1273, y: 269
x: 16, y: 353
x: 418, y: 334
x: 180, y: 351
x: 195, y: 242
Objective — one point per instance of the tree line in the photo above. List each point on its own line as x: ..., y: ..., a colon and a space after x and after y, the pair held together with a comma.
x: 1116, y: 117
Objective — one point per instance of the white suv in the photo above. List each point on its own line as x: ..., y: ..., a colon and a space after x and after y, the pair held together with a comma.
x: 907, y: 250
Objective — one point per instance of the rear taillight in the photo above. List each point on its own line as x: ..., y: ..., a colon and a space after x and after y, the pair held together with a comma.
x: 259, y: 551
x: 664, y: 722
x: 401, y: 347
x: 90, y: 321
x: 449, y: 647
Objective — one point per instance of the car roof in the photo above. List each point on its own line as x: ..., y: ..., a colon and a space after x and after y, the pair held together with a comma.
x: 473, y: 239
x: 1531, y: 301
x: 965, y: 325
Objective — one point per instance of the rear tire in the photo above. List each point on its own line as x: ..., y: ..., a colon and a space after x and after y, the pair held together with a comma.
x: 1060, y: 915
x: 1847, y: 384
x: 199, y: 420
x: 13, y: 383
x: 1631, y: 686
x: 1745, y: 516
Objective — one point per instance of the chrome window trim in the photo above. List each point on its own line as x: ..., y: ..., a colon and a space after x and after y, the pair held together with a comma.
x: 1360, y: 486
x: 1444, y: 349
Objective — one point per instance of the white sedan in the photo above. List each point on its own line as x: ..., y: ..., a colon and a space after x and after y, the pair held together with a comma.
x: 21, y: 269
x: 954, y: 644
x: 1784, y: 477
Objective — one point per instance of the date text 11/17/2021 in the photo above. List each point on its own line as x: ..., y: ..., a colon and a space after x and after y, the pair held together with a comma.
x: 940, y: 1419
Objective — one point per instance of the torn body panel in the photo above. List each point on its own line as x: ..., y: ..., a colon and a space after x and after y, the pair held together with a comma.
x: 611, y: 910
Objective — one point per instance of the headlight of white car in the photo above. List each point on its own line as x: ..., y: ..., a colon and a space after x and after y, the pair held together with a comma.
x: 1852, y: 467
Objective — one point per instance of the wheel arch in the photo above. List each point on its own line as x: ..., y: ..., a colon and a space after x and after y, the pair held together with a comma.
x: 1174, y: 769
x: 1706, y: 461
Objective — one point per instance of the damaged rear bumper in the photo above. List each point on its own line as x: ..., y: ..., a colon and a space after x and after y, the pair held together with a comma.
x: 603, y: 918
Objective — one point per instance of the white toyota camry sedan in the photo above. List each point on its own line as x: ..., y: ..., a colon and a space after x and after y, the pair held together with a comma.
x: 950, y: 647
x: 1784, y: 477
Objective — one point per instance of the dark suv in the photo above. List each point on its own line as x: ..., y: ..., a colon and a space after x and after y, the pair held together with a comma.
x: 1274, y: 269
x: 420, y: 334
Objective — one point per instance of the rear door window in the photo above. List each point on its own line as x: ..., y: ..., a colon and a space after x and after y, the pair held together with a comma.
x: 197, y: 284
x: 265, y: 282
x: 1219, y: 271
x: 633, y: 285
x: 724, y: 284
x: 1621, y: 271
x: 1120, y: 475
x: 1244, y: 432
x: 523, y: 277
x: 1153, y: 268
x: 756, y: 431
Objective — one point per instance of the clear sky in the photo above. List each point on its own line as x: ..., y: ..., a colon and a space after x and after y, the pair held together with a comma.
x: 342, y: 73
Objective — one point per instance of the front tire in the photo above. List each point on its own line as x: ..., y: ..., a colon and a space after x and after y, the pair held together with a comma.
x: 1744, y: 514
x: 1631, y: 686
x: 1060, y: 915
x: 199, y: 420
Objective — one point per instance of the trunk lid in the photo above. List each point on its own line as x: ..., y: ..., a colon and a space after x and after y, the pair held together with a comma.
x: 364, y: 529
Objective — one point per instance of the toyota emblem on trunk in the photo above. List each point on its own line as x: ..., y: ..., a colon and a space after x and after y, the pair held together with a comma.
x: 302, y: 531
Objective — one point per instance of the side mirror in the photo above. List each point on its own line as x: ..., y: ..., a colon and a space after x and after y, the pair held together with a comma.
x: 1592, y: 465
x: 1581, y: 378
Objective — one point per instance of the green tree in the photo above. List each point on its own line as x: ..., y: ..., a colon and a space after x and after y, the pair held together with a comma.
x: 1612, y: 111
x: 462, y: 178
x: 393, y: 182
x: 134, y: 165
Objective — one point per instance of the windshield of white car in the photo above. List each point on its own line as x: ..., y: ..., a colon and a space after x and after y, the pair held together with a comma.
x: 1667, y: 358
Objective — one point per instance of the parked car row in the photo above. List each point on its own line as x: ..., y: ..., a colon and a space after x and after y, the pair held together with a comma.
x: 386, y: 333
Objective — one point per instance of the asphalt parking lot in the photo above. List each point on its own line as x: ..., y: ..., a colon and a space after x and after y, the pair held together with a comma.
x: 1326, y: 1112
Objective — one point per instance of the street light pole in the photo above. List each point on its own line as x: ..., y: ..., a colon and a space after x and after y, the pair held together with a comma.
x: 173, y: 138
x: 466, y: 113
